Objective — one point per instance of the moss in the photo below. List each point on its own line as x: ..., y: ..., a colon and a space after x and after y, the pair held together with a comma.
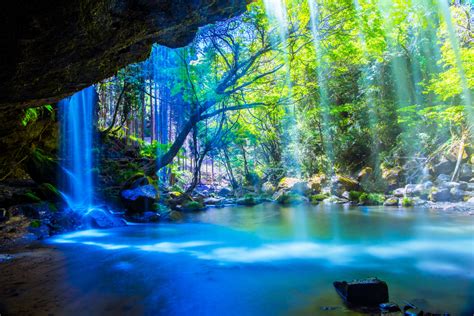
x: 247, y: 200
x: 371, y: 199
x: 354, y: 195
x: 193, y: 206
x: 315, y: 199
x: 49, y: 192
x: 35, y: 223
x: 53, y: 207
x: 407, y: 202
x: 176, y: 188
x: 290, y: 198
x: 31, y: 197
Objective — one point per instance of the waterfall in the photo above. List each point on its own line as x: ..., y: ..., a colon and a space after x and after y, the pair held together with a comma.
x: 77, y: 137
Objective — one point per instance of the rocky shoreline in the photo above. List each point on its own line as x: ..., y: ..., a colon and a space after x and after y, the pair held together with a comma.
x: 25, y: 223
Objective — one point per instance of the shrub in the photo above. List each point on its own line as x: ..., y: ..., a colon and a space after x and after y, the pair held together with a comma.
x: 407, y: 202
x: 371, y: 199
x: 354, y: 195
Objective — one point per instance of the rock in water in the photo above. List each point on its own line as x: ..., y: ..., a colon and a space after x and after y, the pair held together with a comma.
x: 369, y: 292
x: 140, y: 199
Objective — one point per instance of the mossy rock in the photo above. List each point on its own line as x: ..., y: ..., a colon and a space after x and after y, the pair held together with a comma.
x: 30, y: 197
x: 407, y: 202
x: 247, y: 200
x: 392, y: 201
x: 175, y: 216
x: 176, y: 194
x: 191, y: 206
x: 42, y: 167
x: 49, y: 192
x: 291, y: 199
x: 316, y: 198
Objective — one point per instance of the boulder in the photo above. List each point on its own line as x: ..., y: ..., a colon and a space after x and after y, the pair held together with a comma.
x: 135, y: 181
x: 400, y: 192
x: 316, y: 182
x: 391, y: 201
x: 49, y: 192
x: 440, y: 195
x: 442, y: 178
x: 465, y: 172
x: 339, y: 184
x: 457, y: 194
x: 100, y: 218
x: 213, y: 201
x: 192, y: 206
x: 247, y: 200
x: 392, y: 176
x: 363, y: 293
x: 294, y: 185
x: 445, y: 166
x: 140, y: 199
x: 174, y: 216
x: 291, y: 199
x: 42, y: 167
x: 268, y: 188
x: 470, y: 186
x: 364, y: 174
x: 146, y: 217
x: 224, y: 192
x: 427, y: 185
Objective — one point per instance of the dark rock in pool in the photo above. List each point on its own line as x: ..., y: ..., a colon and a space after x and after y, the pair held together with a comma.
x: 99, y: 218
x: 140, y: 199
x: 224, y: 192
x: 147, y: 217
x: 369, y: 292
x: 440, y: 195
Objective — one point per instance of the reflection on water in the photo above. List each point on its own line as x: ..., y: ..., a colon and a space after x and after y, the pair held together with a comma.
x: 272, y: 260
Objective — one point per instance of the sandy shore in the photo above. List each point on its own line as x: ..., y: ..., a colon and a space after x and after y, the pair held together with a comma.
x: 33, y: 281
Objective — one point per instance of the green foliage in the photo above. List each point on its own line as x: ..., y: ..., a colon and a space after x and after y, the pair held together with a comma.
x: 247, y: 200
x: 316, y: 198
x: 32, y: 114
x: 407, y: 202
x: 32, y: 197
x: 371, y: 199
x: 355, y: 195
x: 193, y: 206
x: 378, y: 84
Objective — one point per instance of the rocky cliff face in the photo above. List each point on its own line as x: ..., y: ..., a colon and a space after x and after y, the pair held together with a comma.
x: 53, y: 48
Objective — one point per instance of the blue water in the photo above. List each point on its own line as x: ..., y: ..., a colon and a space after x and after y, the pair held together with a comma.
x: 77, y: 135
x: 271, y: 260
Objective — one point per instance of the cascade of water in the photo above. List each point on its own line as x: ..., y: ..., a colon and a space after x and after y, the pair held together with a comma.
x: 321, y: 70
x: 77, y: 136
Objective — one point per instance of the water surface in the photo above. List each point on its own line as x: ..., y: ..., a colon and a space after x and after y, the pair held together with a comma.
x: 271, y: 260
